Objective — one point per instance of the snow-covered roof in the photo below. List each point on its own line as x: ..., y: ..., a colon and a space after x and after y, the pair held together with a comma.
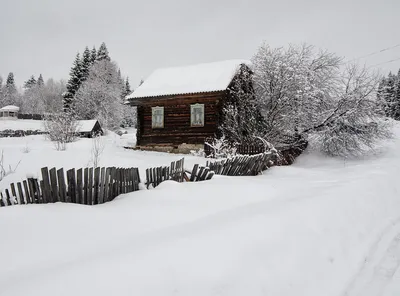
x: 199, y: 78
x: 10, y: 108
x: 85, y: 125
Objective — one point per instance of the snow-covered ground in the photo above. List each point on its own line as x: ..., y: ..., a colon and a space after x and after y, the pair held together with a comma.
x: 320, y: 227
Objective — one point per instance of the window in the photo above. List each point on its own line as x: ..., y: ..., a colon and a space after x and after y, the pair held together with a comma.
x: 157, y: 117
x: 197, y: 115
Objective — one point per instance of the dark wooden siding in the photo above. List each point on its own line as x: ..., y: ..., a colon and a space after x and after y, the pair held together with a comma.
x: 177, y: 129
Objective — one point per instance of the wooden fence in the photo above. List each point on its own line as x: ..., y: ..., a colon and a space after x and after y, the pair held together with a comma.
x: 200, y: 173
x: 243, y: 149
x: 176, y: 172
x: 89, y: 186
x: 242, y: 165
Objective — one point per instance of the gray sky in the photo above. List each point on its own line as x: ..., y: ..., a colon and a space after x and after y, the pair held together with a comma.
x: 43, y: 36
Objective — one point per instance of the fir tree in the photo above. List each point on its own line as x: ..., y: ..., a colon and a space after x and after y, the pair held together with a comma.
x: 396, y: 100
x: 40, y: 81
x: 127, y: 87
x: 102, y: 53
x: 74, y: 83
x: 10, y: 83
x: 31, y: 82
x: 86, y: 63
x: 10, y: 91
x: 389, y: 95
x: 93, y: 55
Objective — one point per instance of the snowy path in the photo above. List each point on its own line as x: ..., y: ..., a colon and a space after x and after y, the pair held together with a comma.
x: 380, y: 273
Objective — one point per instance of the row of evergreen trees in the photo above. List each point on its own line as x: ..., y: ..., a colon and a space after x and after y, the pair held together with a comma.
x: 389, y: 93
x: 80, y: 70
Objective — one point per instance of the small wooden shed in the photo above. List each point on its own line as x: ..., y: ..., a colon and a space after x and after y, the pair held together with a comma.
x: 88, y: 128
x: 182, y: 106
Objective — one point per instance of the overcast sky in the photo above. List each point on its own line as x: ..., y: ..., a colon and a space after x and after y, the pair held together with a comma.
x: 43, y: 36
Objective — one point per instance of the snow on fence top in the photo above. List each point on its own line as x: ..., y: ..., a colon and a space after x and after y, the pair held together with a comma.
x: 10, y: 108
x: 189, y: 79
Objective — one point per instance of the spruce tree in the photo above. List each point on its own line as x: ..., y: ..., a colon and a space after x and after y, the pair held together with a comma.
x: 127, y: 87
x: 389, y: 95
x: 9, y: 90
x: 102, y: 53
x: 31, y: 82
x: 73, y: 83
x: 86, y: 63
x: 396, y: 109
x: 40, y: 81
x: 93, y: 55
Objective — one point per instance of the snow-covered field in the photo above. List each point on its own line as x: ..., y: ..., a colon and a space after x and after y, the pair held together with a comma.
x: 320, y: 227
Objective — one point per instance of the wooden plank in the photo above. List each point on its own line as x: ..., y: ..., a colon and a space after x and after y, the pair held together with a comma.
x: 2, y: 203
x: 54, y: 186
x: 61, y: 185
x: 198, y: 176
x: 71, y: 196
x: 8, y: 198
x: 194, y: 172
x: 147, y: 178
x: 41, y: 185
x: 107, y: 185
x: 46, y: 189
x: 79, y: 187
x: 210, y: 175
x: 204, y: 175
x: 90, y: 187
x: 96, y: 183
x: 27, y: 195
x: 102, y: 184
x: 32, y: 191
x: 14, y: 194
x: 20, y: 193
x: 85, y: 186
x: 136, y: 179
x: 114, y: 183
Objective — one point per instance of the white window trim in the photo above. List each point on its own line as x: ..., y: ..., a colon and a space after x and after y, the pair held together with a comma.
x: 153, y: 110
x: 192, y: 107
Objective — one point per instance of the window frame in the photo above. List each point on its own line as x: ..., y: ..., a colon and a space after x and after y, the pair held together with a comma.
x: 192, y: 113
x: 153, y: 114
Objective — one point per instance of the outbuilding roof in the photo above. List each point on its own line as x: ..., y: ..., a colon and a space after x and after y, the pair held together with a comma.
x: 208, y: 77
x: 10, y: 108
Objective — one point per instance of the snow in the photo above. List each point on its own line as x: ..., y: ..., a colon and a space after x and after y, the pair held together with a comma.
x: 205, y: 77
x: 323, y: 226
x: 10, y: 108
x: 37, y: 125
x: 22, y: 124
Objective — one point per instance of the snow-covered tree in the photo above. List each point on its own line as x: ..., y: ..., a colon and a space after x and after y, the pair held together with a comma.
x: 100, y: 95
x: 93, y: 55
x: 31, y: 82
x: 86, y: 63
x: 303, y: 93
x: 61, y: 129
x: 10, y: 93
x: 40, y: 81
x: 73, y: 83
x: 102, y: 53
x: 241, y: 119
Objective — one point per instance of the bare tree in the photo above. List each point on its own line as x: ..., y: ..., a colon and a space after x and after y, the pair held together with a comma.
x: 4, y: 170
x: 61, y: 129
x: 97, y: 149
x: 303, y: 92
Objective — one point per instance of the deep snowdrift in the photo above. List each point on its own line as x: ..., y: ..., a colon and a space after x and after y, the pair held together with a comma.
x: 309, y: 229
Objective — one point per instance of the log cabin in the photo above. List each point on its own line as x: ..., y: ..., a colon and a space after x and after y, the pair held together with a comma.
x: 178, y: 108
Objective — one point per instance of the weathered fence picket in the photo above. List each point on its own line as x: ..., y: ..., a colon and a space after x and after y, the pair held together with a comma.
x: 83, y: 186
